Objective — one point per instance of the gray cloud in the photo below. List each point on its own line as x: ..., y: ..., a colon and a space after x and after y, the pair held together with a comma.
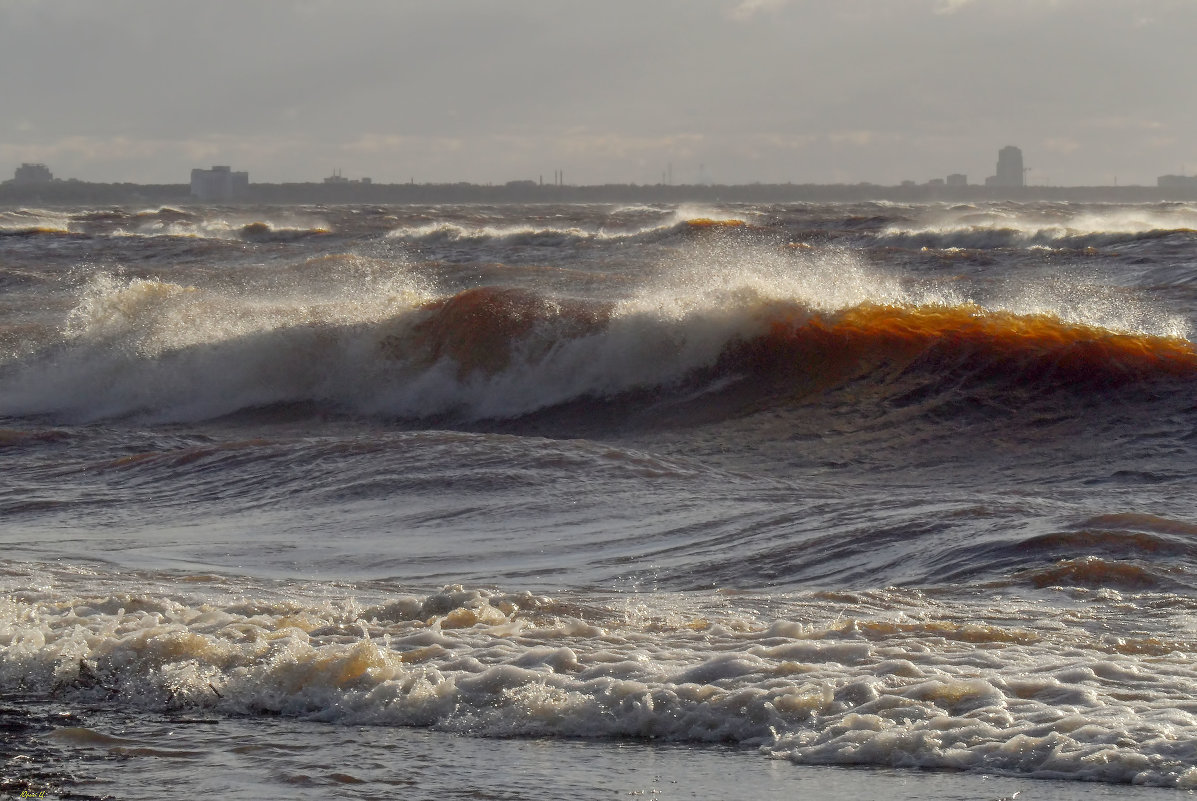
x: 485, y: 90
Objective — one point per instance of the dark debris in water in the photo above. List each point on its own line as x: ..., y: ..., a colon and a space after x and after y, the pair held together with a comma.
x: 30, y: 766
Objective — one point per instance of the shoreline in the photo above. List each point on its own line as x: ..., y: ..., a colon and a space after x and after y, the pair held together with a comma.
x: 80, y: 193
x: 88, y: 754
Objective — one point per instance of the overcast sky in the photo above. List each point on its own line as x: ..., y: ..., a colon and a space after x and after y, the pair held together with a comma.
x: 728, y: 91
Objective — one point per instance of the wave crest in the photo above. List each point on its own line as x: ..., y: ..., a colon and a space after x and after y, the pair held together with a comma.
x: 501, y: 353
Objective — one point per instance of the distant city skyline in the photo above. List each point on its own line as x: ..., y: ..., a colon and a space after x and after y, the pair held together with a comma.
x: 725, y: 91
x: 220, y: 182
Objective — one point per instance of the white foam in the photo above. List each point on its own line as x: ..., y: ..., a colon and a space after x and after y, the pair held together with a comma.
x: 553, y: 234
x: 1081, y: 301
x: 140, y: 345
x: 998, y: 226
x: 18, y: 220
x: 516, y: 234
x: 893, y: 679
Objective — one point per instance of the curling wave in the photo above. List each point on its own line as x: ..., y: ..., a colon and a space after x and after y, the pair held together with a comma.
x: 177, y: 352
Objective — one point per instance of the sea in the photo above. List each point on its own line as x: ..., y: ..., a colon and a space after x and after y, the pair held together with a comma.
x: 588, y: 501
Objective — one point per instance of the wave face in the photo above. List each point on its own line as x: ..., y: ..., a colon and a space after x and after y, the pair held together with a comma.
x: 872, y: 485
x: 777, y: 325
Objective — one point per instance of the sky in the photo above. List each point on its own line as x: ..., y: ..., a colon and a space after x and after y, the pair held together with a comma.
x: 1094, y: 92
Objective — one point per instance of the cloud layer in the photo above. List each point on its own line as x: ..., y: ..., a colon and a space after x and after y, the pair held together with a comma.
x: 741, y: 90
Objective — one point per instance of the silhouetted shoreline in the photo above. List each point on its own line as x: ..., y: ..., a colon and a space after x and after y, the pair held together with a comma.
x: 82, y: 192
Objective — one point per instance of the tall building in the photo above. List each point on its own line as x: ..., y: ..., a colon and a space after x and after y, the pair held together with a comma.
x: 957, y: 179
x: 1176, y: 182
x: 33, y: 174
x: 218, y: 183
x: 1009, y: 168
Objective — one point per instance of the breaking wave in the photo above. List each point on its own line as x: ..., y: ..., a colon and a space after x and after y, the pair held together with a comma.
x: 780, y: 326
x: 1006, y: 227
x: 683, y: 221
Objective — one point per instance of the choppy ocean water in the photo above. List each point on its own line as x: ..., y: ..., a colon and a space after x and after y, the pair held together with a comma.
x: 592, y: 499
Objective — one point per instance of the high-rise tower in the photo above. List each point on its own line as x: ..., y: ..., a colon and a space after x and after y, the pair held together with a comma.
x: 218, y: 183
x: 1009, y: 168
